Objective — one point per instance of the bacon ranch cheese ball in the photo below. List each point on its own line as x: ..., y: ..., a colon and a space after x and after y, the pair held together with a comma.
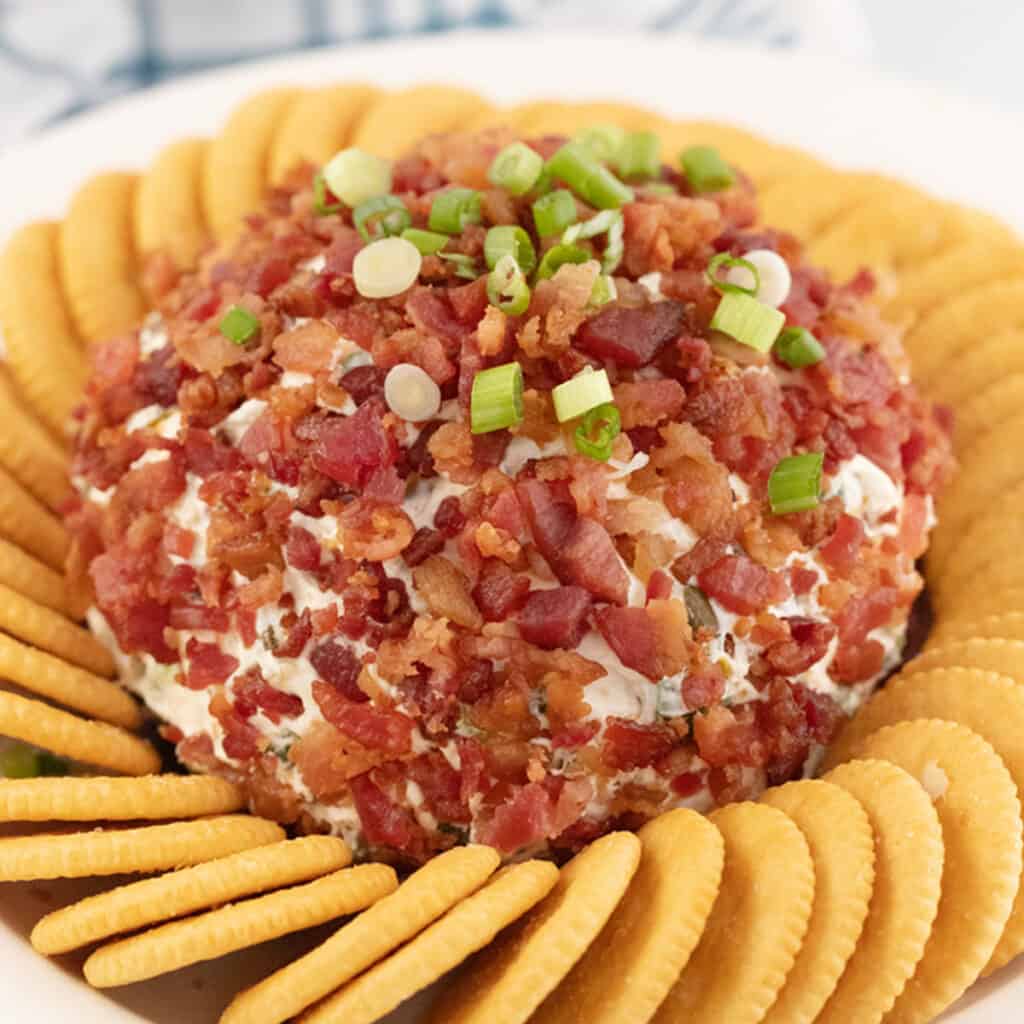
x: 511, y: 493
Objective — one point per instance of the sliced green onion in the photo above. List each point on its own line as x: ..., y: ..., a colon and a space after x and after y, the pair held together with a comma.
x: 614, y: 248
x: 426, y: 241
x: 795, y: 483
x: 321, y: 204
x: 453, y: 209
x: 507, y: 288
x: 20, y: 761
x: 585, y: 391
x: 798, y: 348
x: 603, y: 292
x: 238, y: 325
x: 386, y: 267
x: 596, y: 431
x: 603, y: 140
x: 724, y: 259
x: 354, y: 176
x: 509, y: 240
x: 748, y: 321
x: 554, y: 212
x: 497, y: 398
x: 705, y: 169
x: 592, y: 181
x: 658, y: 188
x: 516, y: 168
x: 698, y: 609
x: 558, y: 256
x: 637, y: 157
x: 465, y: 265
x: 380, y: 217
x: 589, y: 228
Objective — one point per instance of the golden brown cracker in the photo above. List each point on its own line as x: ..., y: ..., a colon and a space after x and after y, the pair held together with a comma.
x: 235, y: 171
x: 318, y: 124
x: 22, y: 572
x: 842, y: 847
x: 15, y: 409
x: 238, y: 926
x: 984, y: 602
x: 169, y: 205
x: 42, y: 350
x: 392, y: 121
x: 976, y: 800
x: 48, y: 630
x: 29, y: 454
x: 27, y: 523
x: 989, y: 409
x: 56, y: 680
x: 508, y: 981
x: 165, y: 897
x: 629, y: 968
x: 97, y: 257
x: 765, y: 898
x: 989, y: 358
x: 98, y: 798
x: 424, y: 897
x: 463, y: 931
x: 541, y: 119
x: 996, y: 589
x: 95, y: 743
x: 996, y: 537
x: 989, y: 654
x: 905, y: 896
x: 131, y: 850
x: 1003, y: 626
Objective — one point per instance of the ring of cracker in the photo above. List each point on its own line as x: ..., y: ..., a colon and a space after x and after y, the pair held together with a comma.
x: 95, y: 743
x: 423, y: 898
x: 987, y: 653
x: 22, y: 572
x: 842, y: 847
x: 766, y: 897
x: 29, y: 454
x: 629, y: 968
x: 998, y: 544
x: 976, y: 800
x: 26, y: 522
x: 464, y: 930
x: 238, y: 926
x: 123, y: 851
x: 509, y: 980
x: 1004, y: 626
x: 97, y: 257
x: 154, y: 900
x: 989, y: 358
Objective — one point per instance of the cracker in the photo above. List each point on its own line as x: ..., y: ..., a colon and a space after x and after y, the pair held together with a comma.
x: 983, y: 601
x: 424, y: 897
x: 169, y: 205
x: 316, y: 126
x: 629, y: 968
x: 507, y: 982
x: 56, y: 680
x: 165, y: 897
x: 95, y: 743
x: 29, y: 454
x: 1005, y: 626
x: 14, y: 408
x: 132, y: 850
x: 235, y: 172
x: 390, y: 122
x: 42, y: 350
x: 97, y: 257
x: 977, y: 804
x: 987, y: 703
x: 96, y: 798
x: 463, y: 931
x: 953, y: 326
x: 989, y: 358
x: 766, y: 896
x: 22, y: 572
x: 48, y: 630
x: 842, y: 847
x: 989, y: 654
x: 996, y: 589
x: 540, y: 119
x: 28, y: 524
x: 994, y: 538
x: 238, y: 926
x: 905, y: 897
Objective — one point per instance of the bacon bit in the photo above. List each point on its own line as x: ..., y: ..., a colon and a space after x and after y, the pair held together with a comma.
x: 675, y: 637
x: 299, y: 633
x: 241, y: 740
x: 539, y: 423
x: 627, y: 745
x: 425, y: 542
x: 659, y: 586
x: 350, y: 448
x: 451, y: 448
x: 742, y: 586
x: 371, y: 531
x: 264, y: 590
x: 336, y: 663
x: 303, y: 549
x: 307, y: 348
x: 555, y: 618
x: 646, y: 403
x: 178, y: 541
x: 632, y: 634
x: 802, y: 580
x: 729, y: 736
x: 253, y: 693
x: 702, y: 689
x: 522, y: 820
x: 446, y: 590
x: 364, y: 382
x: 500, y: 592
x: 698, y: 489
x: 565, y: 703
x: 383, y: 821
x: 631, y: 337
x: 328, y: 760
x: 441, y: 785
x: 490, y: 335
x: 208, y: 665
x: 809, y: 643
x: 417, y: 347
x: 269, y: 796
x: 496, y: 543
x: 373, y: 728
x: 913, y: 535
x: 842, y: 549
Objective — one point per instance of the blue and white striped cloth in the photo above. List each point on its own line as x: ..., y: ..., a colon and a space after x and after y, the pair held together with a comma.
x: 58, y: 57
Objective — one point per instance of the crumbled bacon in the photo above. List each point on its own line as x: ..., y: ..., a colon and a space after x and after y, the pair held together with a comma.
x: 631, y: 337
x: 555, y: 618
x: 741, y: 585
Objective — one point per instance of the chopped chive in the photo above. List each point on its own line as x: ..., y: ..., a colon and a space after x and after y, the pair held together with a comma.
x: 324, y: 202
x: 602, y: 140
x: 795, y: 483
x: 748, y: 321
x: 238, y: 325
x: 615, y: 247
x: 658, y: 188
x: 510, y: 240
x: 798, y: 348
x: 426, y: 241
x: 637, y: 157
x: 554, y: 212
x: 497, y: 398
x: 724, y: 259
x: 596, y: 432
x: 464, y: 264
x: 698, y: 609
x: 589, y: 179
x: 580, y: 394
x: 600, y: 222
x: 516, y: 168
x: 453, y: 209
x: 705, y: 169
x: 380, y: 217
x: 558, y: 256
x: 354, y: 176
x: 603, y: 292
x: 507, y: 288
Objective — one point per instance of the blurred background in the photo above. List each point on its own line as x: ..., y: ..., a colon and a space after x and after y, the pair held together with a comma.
x: 58, y: 57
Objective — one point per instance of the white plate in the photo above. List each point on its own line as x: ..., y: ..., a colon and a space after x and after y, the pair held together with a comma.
x: 844, y: 113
